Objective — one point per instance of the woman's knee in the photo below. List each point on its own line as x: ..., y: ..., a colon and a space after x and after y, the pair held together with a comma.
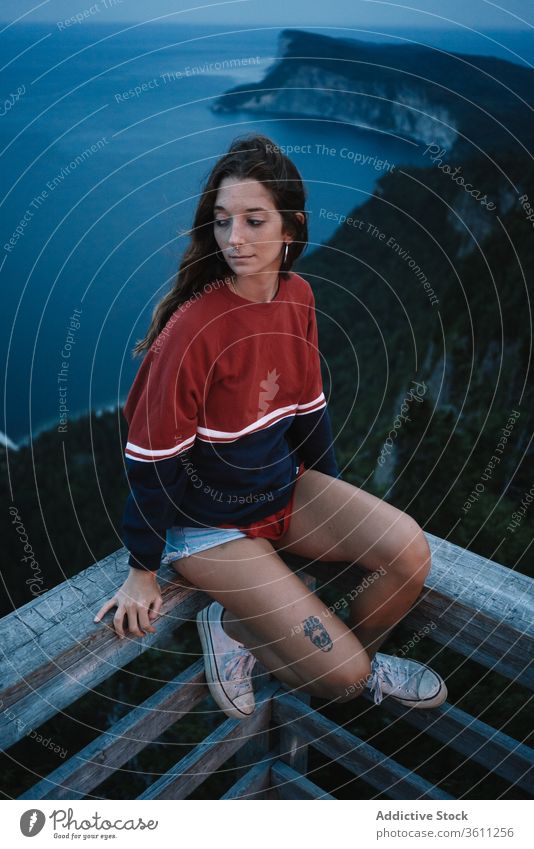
x: 419, y: 556
x: 412, y: 561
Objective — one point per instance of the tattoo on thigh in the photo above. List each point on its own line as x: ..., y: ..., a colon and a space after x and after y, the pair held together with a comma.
x: 316, y: 631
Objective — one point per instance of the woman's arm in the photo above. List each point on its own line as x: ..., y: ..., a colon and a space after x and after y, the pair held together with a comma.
x: 156, y: 491
x: 162, y: 414
x: 310, y: 433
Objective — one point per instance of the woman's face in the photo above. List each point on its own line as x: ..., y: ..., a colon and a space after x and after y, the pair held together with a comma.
x: 245, y: 218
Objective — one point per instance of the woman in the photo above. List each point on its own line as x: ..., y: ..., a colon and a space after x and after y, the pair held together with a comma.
x: 230, y: 460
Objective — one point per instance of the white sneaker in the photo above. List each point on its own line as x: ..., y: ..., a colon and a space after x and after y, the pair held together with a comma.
x: 227, y: 663
x: 408, y: 681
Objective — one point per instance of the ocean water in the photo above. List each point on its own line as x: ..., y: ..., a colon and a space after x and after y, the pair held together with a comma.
x: 102, y: 180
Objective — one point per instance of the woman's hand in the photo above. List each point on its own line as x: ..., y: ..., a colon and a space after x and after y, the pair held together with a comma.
x: 139, y: 599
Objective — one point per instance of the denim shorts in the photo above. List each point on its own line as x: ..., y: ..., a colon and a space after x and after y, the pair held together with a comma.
x: 184, y: 541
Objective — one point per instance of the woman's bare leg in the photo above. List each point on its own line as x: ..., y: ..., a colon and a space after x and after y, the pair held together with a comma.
x: 296, y: 637
x: 335, y: 521
x: 236, y: 629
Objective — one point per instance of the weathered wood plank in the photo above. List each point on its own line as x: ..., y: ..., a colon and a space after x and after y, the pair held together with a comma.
x: 215, y: 749
x: 467, y: 596
x: 475, y: 635
x: 367, y: 763
x: 290, y: 784
x: 54, y: 630
x: 53, y: 652
x: 110, y: 750
x: 481, y: 743
x: 255, y: 781
x: 54, y: 682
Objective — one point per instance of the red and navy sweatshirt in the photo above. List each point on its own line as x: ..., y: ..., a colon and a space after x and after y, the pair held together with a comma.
x: 226, y: 404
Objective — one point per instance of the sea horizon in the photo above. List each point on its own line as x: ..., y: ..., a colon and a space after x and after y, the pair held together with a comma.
x: 106, y: 240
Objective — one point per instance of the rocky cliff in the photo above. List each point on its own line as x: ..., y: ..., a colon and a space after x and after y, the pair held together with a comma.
x: 425, y: 323
x: 452, y: 100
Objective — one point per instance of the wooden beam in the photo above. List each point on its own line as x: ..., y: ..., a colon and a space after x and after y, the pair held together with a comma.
x: 186, y: 775
x: 94, y: 763
x: 479, y: 742
x: 367, y: 763
x: 62, y: 654
x: 255, y: 781
x: 290, y: 784
x: 53, y: 653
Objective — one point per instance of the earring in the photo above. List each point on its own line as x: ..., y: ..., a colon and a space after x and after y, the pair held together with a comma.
x: 286, y: 251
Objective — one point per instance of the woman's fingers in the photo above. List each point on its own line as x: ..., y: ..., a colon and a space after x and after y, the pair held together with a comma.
x: 155, y: 607
x: 104, y: 609
x: 144, y: 622
x: 132, y: 612
x: 137, y: 615
x: 118, y: 621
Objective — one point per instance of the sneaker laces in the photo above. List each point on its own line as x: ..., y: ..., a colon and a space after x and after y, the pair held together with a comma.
x: 238, y: 666
x: 382, y: 672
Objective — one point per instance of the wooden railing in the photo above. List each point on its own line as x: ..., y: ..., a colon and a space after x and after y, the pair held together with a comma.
x: 53, y: 654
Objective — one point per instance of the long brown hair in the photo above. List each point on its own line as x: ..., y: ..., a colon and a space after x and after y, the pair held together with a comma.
x: 249, y: 157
